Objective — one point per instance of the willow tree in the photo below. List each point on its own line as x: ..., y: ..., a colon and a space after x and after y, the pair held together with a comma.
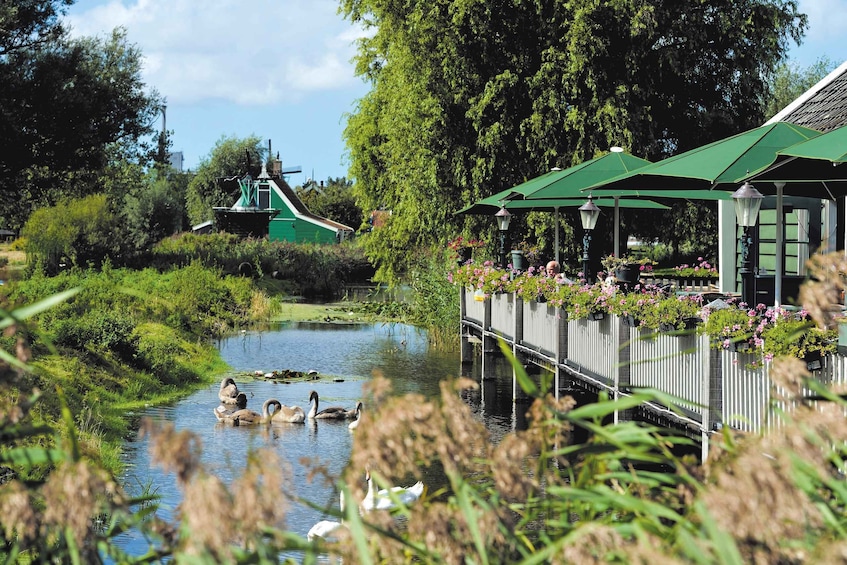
x: 470, y: 97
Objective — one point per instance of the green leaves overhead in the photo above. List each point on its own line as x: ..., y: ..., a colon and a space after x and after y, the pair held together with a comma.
x: 471, y: 97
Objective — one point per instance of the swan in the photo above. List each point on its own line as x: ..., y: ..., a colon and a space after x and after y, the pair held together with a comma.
x: 330, y: 413
x: 355, y: 423
x: 229, y: 391
x: 245, y: 417
x: 240, y: 403
x: 328, y: 530
x: 287, y: 414
x: 388, y: 499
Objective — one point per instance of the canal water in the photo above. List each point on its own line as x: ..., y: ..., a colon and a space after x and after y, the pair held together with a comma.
x: 346, y: 356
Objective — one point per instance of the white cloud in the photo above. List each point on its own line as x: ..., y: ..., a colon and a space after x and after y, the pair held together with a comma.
x: 248, y: 52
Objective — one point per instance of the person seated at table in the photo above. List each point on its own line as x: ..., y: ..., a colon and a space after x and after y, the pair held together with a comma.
x: 554, y: 270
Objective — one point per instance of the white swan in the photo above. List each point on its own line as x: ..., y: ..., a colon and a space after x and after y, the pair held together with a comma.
x: 245, y: 417
x: 355, y: 423
x: 229, y: 391
x: 388, y: 499
x: 329, y: 413
x: 329, y: 530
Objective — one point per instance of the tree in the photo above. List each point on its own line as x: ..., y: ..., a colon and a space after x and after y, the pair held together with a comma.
x: 790, y: 80
x: 466, y: 102
x: 66, y: 103
x: 334, y: 201
x: 155, y: 208
x: 215, y: 184
x: 75, y: 232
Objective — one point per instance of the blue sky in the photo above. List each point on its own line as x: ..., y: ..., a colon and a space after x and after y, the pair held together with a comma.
x: 282, y: 70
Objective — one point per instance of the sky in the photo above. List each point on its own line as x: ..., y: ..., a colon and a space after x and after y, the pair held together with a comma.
x: 282, y: 70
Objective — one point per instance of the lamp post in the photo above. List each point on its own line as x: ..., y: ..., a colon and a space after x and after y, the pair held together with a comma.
x: 588, y: 213
x: 747, y: 202
x: 503, y: 218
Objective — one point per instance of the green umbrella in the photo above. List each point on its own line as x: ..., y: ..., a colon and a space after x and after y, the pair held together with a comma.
x: 559, y: 188
x: 722, y: 165
x: 812, y: 168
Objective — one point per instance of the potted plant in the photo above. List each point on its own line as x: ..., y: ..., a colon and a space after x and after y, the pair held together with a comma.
x: 532, y: 286
x: 462, y: 249
x: 732, y: 327
x: 798, y: 337
x: 587, y: 301
x: 637, y: 308
x: 627, y: 268
x: 678, y: 313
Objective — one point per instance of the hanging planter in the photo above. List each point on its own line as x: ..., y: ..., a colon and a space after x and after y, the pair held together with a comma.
x: 814, y: 360
x: 628, y: 274
x: 596, y: 316
x: 631, y: 321
x: 464, y: 254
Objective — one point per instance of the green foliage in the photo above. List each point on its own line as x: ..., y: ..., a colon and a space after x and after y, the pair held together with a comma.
x: 334, y: 201
x: 214, y: 183
x: 72, y: 233
x: 465, y: 103
x: 69, y: 103
x: 797, y: 337
x: 311, y: 269
x: 790, y: 80
x: 154, y: 209
x: 435, y: 303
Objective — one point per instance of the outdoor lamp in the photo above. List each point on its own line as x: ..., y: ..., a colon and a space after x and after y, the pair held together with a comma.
x: 748, y: 200
x: 503, y: 218
x: 588, y: 213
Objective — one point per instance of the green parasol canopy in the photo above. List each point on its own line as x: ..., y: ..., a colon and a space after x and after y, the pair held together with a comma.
x: 722, y: 164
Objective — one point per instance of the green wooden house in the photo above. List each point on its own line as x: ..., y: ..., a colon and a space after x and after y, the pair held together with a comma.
x: 268, y: 207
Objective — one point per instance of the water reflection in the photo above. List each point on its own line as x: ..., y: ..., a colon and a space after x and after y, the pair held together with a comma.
x: 351, y: 354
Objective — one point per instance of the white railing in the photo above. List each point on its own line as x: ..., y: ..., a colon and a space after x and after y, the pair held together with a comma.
x: 715, y: 386
x: 538, y: 332
x: 503, y: 315
x: 593, y: 346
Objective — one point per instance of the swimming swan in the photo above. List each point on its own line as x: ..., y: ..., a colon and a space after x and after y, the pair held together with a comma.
x: 355, y: 423
x: 229, y: 391
x: 287, y: 414
x: 245, y: 417
x: 329, y: 530
x: 384, y: 499
x: 329, y: 413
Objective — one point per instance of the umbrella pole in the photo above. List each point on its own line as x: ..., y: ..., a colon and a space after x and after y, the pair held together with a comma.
x: 617, y: 227
x: 780, y: 246
x: 556, y: 235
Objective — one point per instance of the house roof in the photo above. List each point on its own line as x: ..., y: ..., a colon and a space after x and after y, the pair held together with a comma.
x: 301, y: 209
x: 823, y: 107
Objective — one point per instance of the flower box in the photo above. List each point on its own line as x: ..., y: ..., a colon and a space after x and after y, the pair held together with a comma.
x: 814, y: 360
x: 631, y: 321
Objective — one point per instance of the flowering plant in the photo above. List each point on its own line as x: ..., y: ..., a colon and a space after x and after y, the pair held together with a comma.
x: 702, y: 269
x: 611, y: 263
x: 733, y: 327
x: 460, y: 242
x: 581, y: 300
x: 641, y: 305
x: 485, y: 277
x: 797, y: 336
x: 533, y: 285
